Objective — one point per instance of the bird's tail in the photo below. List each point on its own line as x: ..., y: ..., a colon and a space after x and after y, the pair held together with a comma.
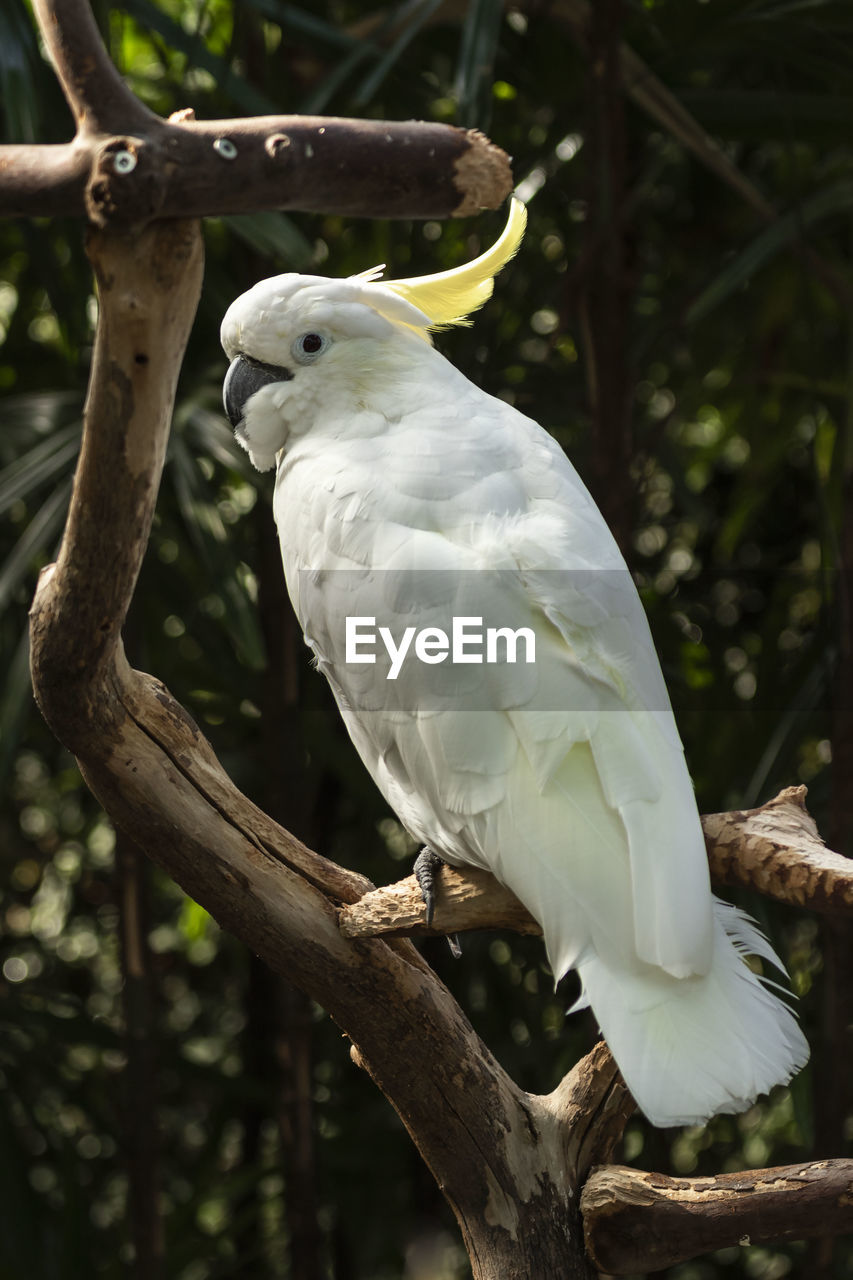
x: 691, y: 1048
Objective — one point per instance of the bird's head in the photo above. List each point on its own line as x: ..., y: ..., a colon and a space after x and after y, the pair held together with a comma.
x: 297, y: 342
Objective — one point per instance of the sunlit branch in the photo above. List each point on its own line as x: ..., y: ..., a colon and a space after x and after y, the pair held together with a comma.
x: 127, y: 166
x: 775, y: 849
x: 636, y: 1221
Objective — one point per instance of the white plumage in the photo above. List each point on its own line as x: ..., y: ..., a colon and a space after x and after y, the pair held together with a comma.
x: 407, y: 495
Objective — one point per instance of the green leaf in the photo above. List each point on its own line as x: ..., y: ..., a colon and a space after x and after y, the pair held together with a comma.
x: 244, y: 94
x: 18, y: 94
x: 288, y: 16
x: 477, y: 54
x: 41, y: 532
x: 809, y: 691
x: 362, y: 50
x: 371, y: 84
x: 193, y: 922
x: 827, y: 203
x: 209, y: 536
x: 39, y: 466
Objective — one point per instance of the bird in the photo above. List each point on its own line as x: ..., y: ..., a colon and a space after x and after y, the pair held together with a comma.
x: 414, y: 510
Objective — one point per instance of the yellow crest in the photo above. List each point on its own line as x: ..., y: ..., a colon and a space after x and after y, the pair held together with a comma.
x: 448, y: 297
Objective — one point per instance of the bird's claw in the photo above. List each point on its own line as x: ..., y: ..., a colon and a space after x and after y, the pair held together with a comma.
x: 425, y: 869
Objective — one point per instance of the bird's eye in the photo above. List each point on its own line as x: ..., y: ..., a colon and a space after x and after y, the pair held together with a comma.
x: 308, y: 346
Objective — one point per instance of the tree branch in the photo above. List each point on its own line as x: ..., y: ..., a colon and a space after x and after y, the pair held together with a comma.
x: 590, y: 1107
x: 468, y: 899
x: 323, y: 164
x: 636, y: 1221
x: 775, y: 849
x: 126, y: 166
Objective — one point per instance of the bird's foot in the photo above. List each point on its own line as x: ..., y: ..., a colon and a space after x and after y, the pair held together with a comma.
x: 426, y: 867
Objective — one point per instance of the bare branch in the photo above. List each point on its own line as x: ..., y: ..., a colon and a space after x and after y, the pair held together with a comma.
x: 363, y: 168
x: 774, y: 848
x: 142, y: 334
x: 636, y: 1221
x: 44, y: 181
x: 591, y: 1106
x: 358, y: 168
x: 465, y: 900
x: 126, y: 166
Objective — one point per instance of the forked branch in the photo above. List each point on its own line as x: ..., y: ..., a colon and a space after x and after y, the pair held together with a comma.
x: 127, y: 166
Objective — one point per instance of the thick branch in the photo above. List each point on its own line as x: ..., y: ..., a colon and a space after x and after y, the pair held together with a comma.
x: 126, y: 166
x: 323, y: 164
x: 46, y: 181
x: 775, y: 849
x: 141, y: 336
x: 636, y: 1221
x: 591, y: 1106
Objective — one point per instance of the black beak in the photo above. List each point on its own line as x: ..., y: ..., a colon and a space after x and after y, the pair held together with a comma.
x: 245, y: 376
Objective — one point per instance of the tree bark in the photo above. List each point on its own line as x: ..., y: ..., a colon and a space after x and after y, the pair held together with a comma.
x: 321, y: 164
x: 776, y: 849
x: 126, y: 166
x: 636, y: 1221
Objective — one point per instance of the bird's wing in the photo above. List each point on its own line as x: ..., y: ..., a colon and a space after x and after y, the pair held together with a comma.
x: 565, y: 778
x: 600, y: 684
x: 637, y: 755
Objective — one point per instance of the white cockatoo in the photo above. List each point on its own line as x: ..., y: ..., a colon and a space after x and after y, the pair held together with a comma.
x: 416, y: 511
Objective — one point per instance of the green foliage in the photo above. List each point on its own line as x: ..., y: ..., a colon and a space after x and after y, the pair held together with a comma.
x: 740, y: 372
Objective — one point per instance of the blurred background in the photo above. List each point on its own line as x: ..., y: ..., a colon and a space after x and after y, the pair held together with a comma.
x: 680, y: 318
